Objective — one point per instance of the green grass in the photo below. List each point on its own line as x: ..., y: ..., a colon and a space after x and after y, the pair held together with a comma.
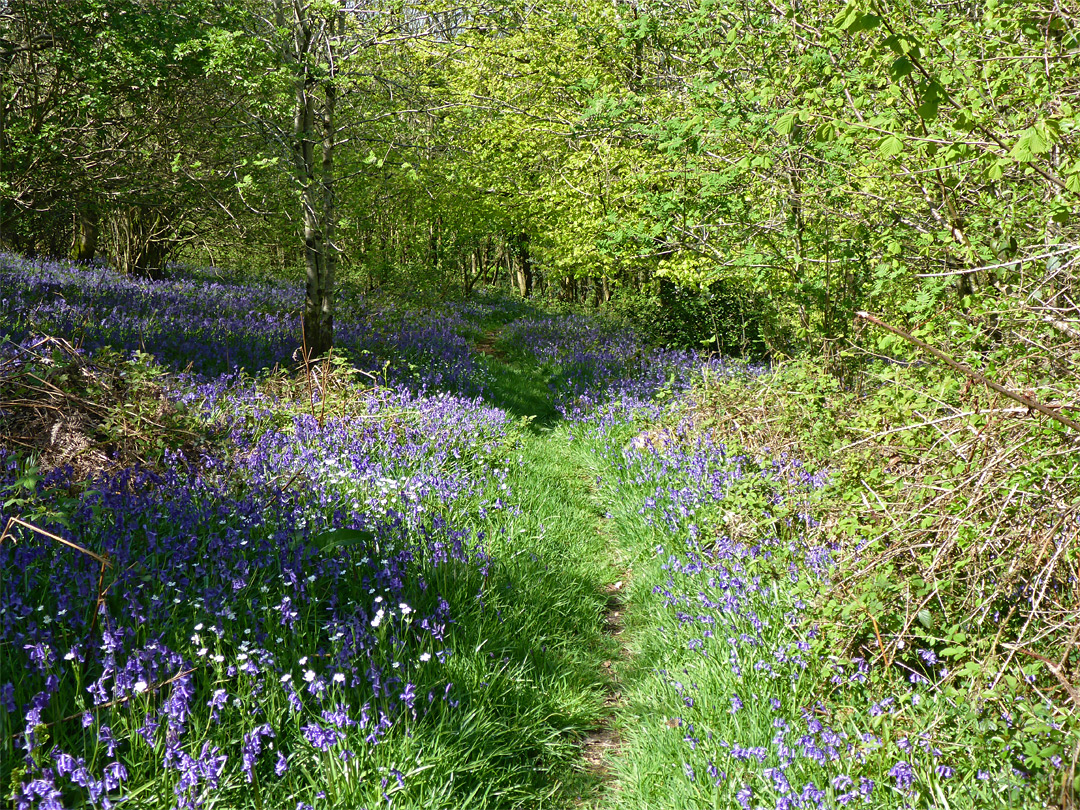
x: 521, y: 388
x: 700, y: 675
x: 528, y: 651
x: 695, y: 689
x: 528, y: 639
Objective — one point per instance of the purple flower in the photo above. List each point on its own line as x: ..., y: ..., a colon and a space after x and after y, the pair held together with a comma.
x: 866, y: 787
x: 338, y: 717
x: 251, y: 749
x: 65, y: 763
x: 114, y: 774
x: 105, y: 736
x: 903, y: 773
x: 321, y: 738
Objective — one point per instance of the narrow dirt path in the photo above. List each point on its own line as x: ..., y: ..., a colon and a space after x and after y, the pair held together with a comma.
x: 595, y: 778
x: 486, y: 344
x: 603, y: 743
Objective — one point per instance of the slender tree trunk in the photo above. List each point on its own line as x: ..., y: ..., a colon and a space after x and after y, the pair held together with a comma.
x: 86, y: 236
x: 524, y: 271
x: 141, y: 242
x: 318, y: 201
x: 314, y: 126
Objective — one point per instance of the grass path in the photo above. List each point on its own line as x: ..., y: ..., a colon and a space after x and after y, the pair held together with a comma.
x: 562, y: 480
x: 603, y: 744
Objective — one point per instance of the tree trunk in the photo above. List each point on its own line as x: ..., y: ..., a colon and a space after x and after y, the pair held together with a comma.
x: 318, y: 201
x: 523, y: 273
x: 86, y: 237
x: 316, y: 98
x: 140, y: 241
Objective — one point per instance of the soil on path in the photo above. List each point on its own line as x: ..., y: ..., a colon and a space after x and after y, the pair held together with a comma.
x: 604, y: 741
x: 486, y: 344
x: 602, y: 744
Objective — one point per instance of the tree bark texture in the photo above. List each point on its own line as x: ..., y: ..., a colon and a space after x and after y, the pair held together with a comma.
x: 316, y: 99
x: 523, y: 272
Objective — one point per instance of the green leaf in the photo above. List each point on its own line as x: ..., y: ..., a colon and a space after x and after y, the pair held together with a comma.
x: 928, y: 109
x: 786, y: 124
x: 825, y: 133
x: 925, y: 619
x: 890, y: 146
x: 847, y: 17
x: 343, y: 538
x: 1037, y: 140
x: 1032, y: 142
x: 864, y: 22
x: 900, y: 68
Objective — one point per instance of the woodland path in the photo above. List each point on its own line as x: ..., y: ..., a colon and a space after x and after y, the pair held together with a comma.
x: 576, y: 473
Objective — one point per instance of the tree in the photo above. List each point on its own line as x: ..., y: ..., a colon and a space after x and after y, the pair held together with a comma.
x: 108, y: 125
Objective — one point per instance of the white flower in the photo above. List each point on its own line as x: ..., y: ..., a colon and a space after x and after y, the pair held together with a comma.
x: 286, y: 678
x: 309, y: 675
x: 140, y: 686
x: 339, y: 677
x: 70, y: 655
x: 303, y: 660
x: 425, y: 657
x: 405, y: 609
x: 202, y: 652
x: 219, y: 658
